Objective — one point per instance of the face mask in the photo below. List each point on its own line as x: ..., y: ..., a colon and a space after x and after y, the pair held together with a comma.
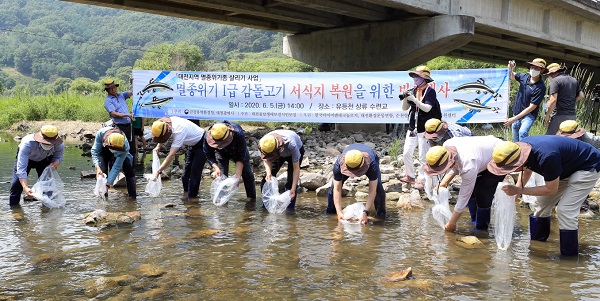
x: 534, y: 72
x: 418, y: 81
x: 46, y: 147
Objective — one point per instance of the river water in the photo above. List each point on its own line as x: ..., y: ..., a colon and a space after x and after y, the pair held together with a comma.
x: 197, y: 251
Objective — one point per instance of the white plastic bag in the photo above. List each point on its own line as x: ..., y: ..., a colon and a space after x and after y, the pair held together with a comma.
x: 535, y: 180
x: 154, y: 185
x: 353, y: 212
x: 49, y: 189
x: 430, y: 182
x: 100, y: 189
x: 441, y: 210
x: 274, y: 201
x: 503, y: 208
x: 222, y: 189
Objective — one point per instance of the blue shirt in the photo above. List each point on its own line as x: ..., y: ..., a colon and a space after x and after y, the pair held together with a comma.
x: 120, y: 156
x: 118, y: 103
x: 237, y: 150
x: 529, y: 93
x: 557, y: 156
x: 29, y: 149
x: 372, y: 173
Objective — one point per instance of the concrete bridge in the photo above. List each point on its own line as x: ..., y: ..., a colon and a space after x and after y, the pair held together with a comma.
x: 374, y: 35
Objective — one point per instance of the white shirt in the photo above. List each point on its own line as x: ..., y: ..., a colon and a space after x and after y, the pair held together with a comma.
x: 185, y: 132
x: 474, y: 153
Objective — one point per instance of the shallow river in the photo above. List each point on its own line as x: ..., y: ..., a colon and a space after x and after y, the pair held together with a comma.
x: 197, y: 251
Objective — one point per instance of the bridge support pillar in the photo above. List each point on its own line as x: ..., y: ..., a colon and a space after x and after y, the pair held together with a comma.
x: 393, y: 45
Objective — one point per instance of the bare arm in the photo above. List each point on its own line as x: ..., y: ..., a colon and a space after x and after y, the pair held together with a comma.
x: 370, y: 199
x: 337, y: 198
x: 580, y: 96
x: 551, y: 105
x: 528, y: 110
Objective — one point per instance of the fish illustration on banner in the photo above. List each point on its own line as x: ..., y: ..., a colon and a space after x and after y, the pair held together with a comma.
x: 465, y: 95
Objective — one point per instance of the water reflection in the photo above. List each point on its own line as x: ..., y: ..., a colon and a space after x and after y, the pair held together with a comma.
x: 198, y: 251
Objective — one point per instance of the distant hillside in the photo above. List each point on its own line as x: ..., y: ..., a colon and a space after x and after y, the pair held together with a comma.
x: 49, y: 39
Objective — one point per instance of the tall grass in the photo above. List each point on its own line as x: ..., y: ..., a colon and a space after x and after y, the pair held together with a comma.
x: 63, y: 106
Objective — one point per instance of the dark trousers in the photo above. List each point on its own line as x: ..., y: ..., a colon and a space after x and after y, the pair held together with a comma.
x: 276, y: 166
x: 15, y: 186
x: 106, y: 162
x: 127, y: 130
x: 379, y: 199
x: 247, y: 174
x: 485, y: 188
x: 192, y: 174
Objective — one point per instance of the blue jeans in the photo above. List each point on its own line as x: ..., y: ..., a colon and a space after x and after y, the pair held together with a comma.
x: 520, y: 128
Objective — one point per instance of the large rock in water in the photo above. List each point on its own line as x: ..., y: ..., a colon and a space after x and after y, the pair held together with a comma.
x: 103, y: 219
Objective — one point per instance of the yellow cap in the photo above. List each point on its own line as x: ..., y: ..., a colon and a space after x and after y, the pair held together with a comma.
x: 116, y: 140
x: 436, y: 156
x: 109, y: 81
x: 506, y: 153
x: 553, y: 66
x: 424, y: 69
x: 268, y: 143
x: 159, y: 128
x: 569, y: 126
x: 354, y: 158
x: 49, y: 131
x: 540, y: 61
x: 219, y: 131
x: 433, y: 125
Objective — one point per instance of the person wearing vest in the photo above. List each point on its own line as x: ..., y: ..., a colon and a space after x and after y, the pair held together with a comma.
x: 423, y: 105
x: 226, y: 141
x: 111, y: 152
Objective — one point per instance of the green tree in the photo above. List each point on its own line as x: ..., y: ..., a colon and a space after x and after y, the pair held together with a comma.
x: 85, y: 86
x: 182, y: 56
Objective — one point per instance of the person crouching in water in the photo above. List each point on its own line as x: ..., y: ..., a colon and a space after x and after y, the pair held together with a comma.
x: 467, y: 157
x: 570, y: 169
x: 226, y: 141
x: 111, y: 151
x: 277, y: 148
x: 37, y: 151
x: 357, y: 160
x: 184, y: 133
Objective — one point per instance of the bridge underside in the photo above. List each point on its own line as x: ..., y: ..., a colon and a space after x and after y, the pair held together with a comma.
x: 351, y: 35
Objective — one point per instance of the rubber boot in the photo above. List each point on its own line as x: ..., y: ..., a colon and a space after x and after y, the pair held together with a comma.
x: 131, y: 188
x: 482, y: 221
x: 330, y: 205
x: 292, y: 204
x: 568, y: 243
x: 472, y: 210
x: 539, y: 227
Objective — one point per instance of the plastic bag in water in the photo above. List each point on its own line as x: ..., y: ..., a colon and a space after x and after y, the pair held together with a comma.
x: 503, y: 208
x: 100, y: 189
x: 49, y: 189
x: 353, y: 212
x: 441, y: 210
x: 222, y: 189
x: 154, y: 185
x: 274, y: 201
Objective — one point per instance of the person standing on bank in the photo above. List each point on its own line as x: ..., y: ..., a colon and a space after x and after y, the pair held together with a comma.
x: 529, y: 97
x: 226, y: 141
x: 570, y: 169
x: 467, y: 157
x: 111, y: 151
x: 184, y: 132
x: 116, y: 106
x: 35, y: 151
x: 423, y: 105
x: 564, y: 92
x: 357, y: 160
x: 277, y: 148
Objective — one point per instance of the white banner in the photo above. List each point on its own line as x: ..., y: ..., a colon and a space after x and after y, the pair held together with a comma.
x: 465, y: 96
